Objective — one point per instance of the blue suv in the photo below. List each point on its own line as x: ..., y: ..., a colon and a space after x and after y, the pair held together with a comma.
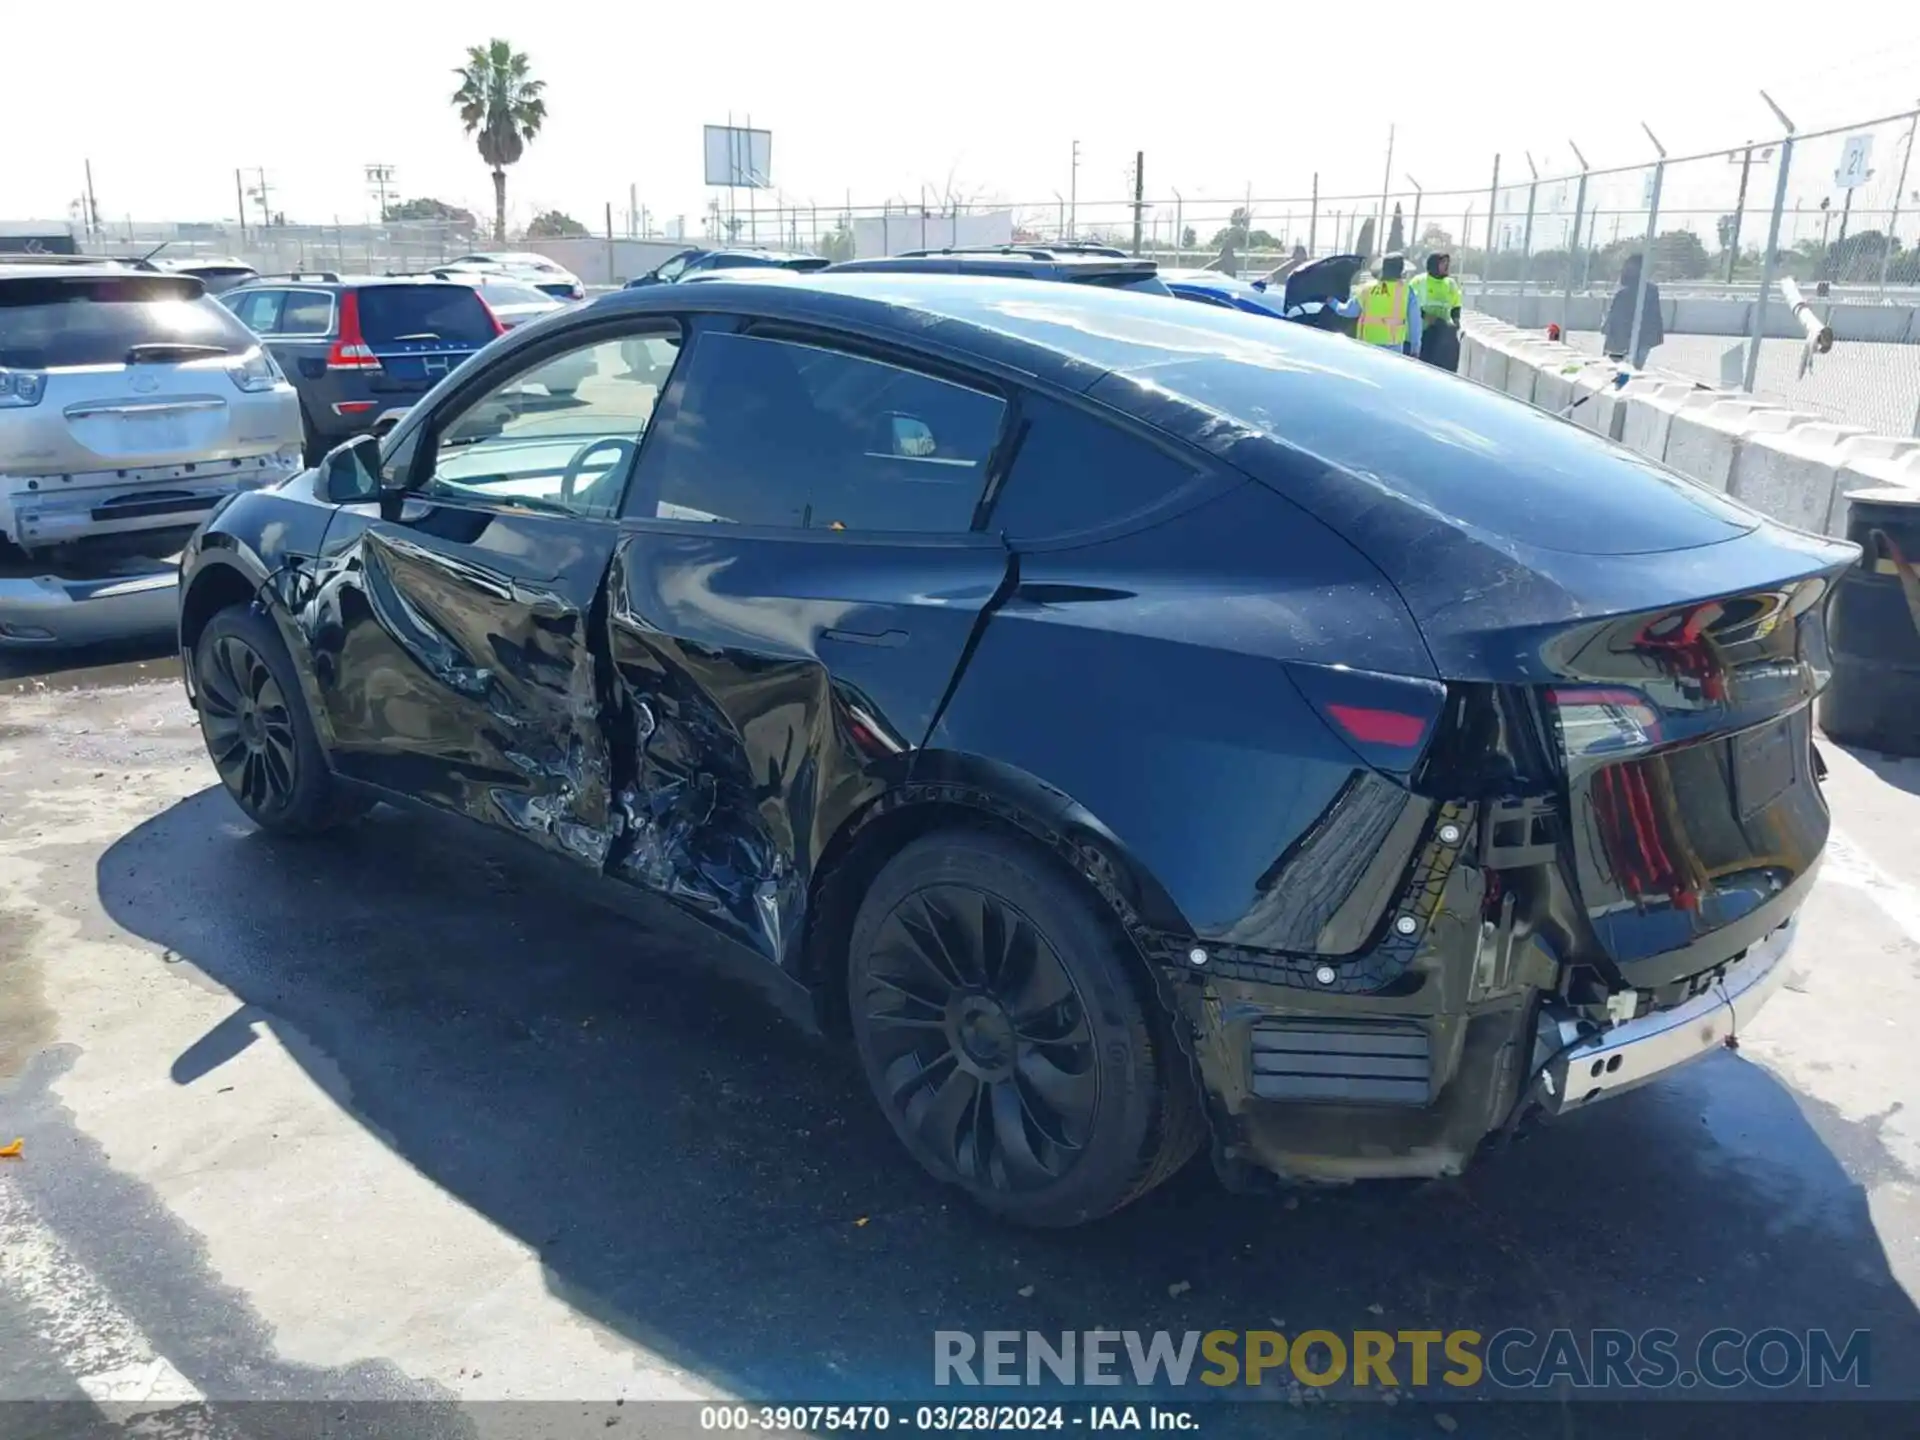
x: 361, y: 349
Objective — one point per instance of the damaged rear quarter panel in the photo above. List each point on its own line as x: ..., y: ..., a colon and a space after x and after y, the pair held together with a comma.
x: 1144, y: 677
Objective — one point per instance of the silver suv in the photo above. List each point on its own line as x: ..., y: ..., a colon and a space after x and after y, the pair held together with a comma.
x: 131, y: 404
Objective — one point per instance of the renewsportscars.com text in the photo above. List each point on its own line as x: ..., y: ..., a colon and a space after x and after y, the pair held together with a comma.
x: 1513, y: 1359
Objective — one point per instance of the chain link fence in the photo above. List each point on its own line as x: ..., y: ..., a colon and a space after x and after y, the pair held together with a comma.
x: 1837, y: 211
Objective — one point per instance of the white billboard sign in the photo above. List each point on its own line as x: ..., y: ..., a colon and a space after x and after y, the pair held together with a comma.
x: 739, y: 158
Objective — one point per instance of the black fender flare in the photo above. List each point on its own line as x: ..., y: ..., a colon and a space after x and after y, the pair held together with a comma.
x: 217, y: 552
x: 1016, y: 798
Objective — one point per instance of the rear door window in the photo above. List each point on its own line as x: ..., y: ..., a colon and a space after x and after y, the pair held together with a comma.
x: 306, y: 312
x: 390, y: 314
x: 52, y: 322
x: 1075, y: 471
x: 258, y: 310
x: 775, y: 432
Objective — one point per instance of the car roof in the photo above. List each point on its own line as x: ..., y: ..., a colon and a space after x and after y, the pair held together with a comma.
x: 83, y: 270
x: 1066, y: 264
x: 328, y: 280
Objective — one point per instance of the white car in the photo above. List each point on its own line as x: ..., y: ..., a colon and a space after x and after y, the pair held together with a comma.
x: 131, y: 405
x: 543, y: 274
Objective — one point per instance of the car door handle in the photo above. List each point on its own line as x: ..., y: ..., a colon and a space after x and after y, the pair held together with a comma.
x: 890, y: 639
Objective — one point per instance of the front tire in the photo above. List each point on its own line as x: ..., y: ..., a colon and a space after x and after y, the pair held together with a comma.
x: 1001, y: 1030
x: 258, y: 733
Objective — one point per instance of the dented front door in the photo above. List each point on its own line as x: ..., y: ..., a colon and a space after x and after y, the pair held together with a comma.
x: 454, y: 665
x: 768, y: 688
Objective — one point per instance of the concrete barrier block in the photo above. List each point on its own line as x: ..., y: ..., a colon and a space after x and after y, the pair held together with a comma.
x: 1600, y: 409
x: 1789, y: 474
x: 1524, y: 365
x: 1650, y: 410
x: 1869, y: 463
x: 1703, y: 443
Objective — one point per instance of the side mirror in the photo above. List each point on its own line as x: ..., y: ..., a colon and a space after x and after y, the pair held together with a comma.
x: 351, y: 471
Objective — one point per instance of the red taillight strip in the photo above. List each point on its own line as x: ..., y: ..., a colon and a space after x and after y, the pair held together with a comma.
x: 350, y: 351
x: 1379, y: 727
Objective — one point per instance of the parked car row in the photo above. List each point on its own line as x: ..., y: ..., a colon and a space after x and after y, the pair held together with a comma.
x: 1129, y: 725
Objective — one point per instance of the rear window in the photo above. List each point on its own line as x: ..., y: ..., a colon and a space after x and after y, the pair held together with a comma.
x: 1107, y: 280
x: 511, y: 292
x: 393, y: 313
x: 51, y: 322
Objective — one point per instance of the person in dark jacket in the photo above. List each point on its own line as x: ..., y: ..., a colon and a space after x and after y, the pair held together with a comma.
x: 1619, y: 323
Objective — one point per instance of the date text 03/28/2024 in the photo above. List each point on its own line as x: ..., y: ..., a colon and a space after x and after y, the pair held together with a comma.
x: 813, y: 1419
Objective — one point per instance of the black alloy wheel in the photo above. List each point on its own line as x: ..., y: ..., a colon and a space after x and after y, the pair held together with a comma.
x: 1004, y: 1032
x: 259, y: 735
x: 248, y: 725
x: 983, y: 1038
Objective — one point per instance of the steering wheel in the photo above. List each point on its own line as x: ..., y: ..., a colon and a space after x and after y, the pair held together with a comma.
x: 570, y: 477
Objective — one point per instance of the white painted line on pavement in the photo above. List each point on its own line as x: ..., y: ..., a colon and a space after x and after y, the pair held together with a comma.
x: 98, y: 1344
x: 1848, y: 864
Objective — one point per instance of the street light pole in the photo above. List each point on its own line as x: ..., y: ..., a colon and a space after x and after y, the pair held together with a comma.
x: 1073, y: 191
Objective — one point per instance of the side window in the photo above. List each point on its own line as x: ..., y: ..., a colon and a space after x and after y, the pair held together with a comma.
x: 560, y: 435
x: 1075, y: 471
x: 259, y: 310
x: 671, y: 269
x: 306, y: 312
x: 774, y: 432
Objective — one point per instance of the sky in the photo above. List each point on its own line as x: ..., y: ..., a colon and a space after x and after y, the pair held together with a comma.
x: 875, y: 101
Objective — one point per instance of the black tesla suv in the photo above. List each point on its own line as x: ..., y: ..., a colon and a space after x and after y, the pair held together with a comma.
x: 1133, y: 726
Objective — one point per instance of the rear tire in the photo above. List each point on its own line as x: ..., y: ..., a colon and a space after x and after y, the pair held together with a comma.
x: 1001, y: 1028
x: 253, y: 717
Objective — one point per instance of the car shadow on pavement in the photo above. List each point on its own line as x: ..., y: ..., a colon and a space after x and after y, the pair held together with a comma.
x: 701, y: 1177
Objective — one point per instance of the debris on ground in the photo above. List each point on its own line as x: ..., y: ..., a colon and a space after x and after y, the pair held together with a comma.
x: 1179, y: 1288
x: 13, y: 1151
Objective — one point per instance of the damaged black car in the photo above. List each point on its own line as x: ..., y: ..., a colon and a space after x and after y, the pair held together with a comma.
x: 1135, y: 727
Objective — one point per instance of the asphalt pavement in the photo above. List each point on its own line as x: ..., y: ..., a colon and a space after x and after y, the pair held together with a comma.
x: 391, y: 1121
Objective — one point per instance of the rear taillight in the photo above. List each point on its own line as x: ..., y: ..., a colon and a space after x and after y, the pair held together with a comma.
x: 350, y: 351
x: 498, y: 328
x: 1602, y: 722
x: 21, y: 388
x: 1386, y: 719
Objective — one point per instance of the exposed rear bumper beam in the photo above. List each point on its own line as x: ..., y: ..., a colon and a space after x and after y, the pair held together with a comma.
x: 1613, y: 1061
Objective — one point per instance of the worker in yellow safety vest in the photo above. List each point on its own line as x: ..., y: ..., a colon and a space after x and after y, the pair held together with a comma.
x: 1438, y: 295
x: 1389, y: 316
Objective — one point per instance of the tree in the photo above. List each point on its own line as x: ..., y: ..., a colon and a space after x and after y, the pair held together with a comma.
x: 427, y: 208
x: 1723, y: 227
x: 1679, y: 255
x: 837, y: 243
x: 1364, y: 244
x: 1189, y: 238
x: 556, y: 225
x: 1396, y: 233
x: 1435, y: 237
x: 501, y: 105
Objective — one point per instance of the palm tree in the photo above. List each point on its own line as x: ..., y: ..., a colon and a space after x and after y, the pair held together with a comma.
x: 498, y: 102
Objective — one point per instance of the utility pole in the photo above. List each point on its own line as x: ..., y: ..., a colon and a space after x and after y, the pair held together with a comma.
x: 93, y: 205
x: 633, y: 209
x: 380, y: 181
x: 240, y: 204
x: 1139, y: 193
x: 1073, y: 192
x: 1739, y: 211
x: 260, y: 195
x: 1386, y: 180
